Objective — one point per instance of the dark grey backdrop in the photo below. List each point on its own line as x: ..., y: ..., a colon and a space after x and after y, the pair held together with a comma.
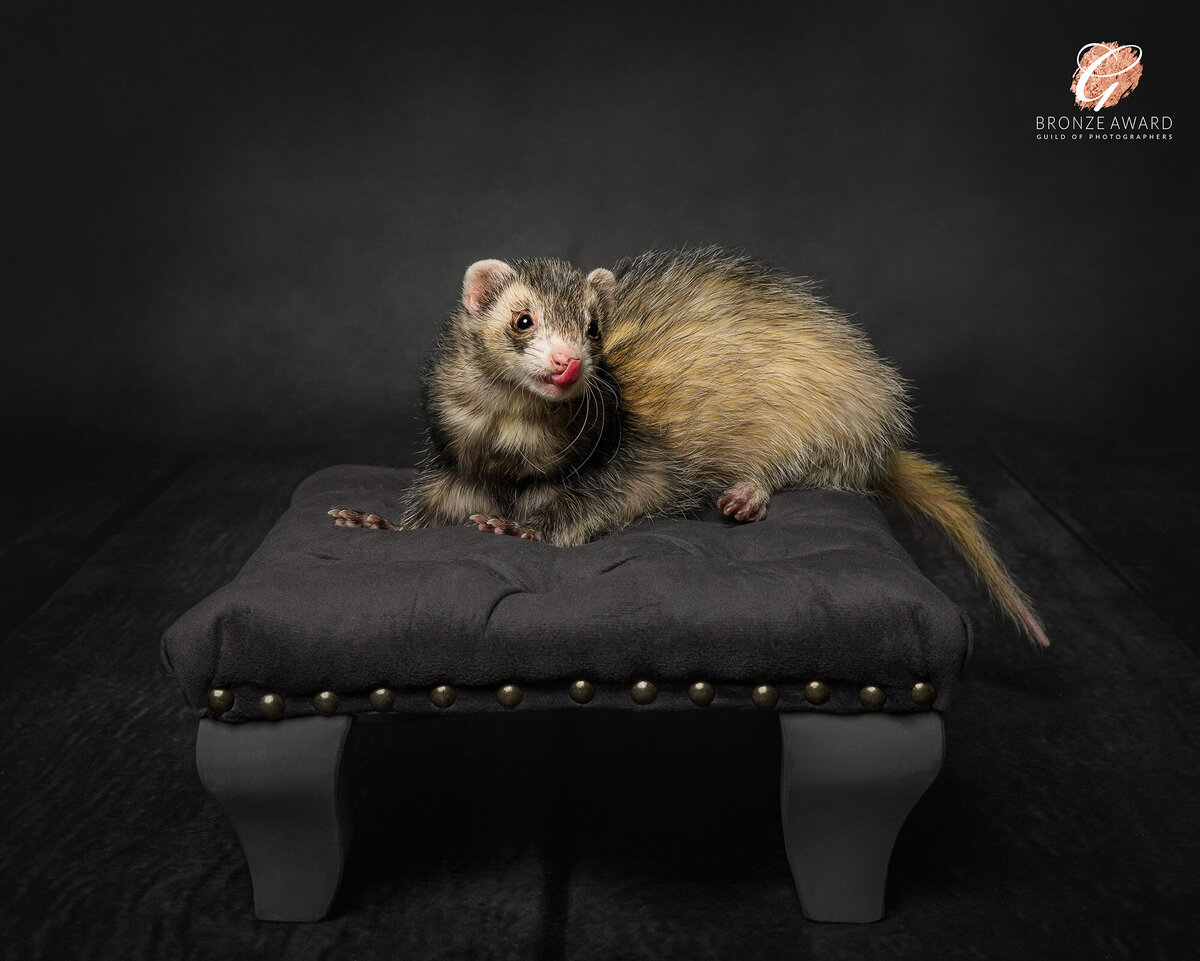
x: 241, y: 231
x: 234, y: 234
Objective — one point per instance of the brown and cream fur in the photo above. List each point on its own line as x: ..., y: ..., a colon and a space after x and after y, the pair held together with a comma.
x: 563, y: 406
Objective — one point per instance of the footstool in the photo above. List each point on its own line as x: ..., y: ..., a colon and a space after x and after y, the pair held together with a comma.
x: 815, y: 613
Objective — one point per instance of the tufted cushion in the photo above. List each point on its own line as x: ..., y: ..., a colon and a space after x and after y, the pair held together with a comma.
x: 820, y: 590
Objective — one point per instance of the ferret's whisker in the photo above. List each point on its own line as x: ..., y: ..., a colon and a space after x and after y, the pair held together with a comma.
x: 595, y: 446
x: 587, y: 400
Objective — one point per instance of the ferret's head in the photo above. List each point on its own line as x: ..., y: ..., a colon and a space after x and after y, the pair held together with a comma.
x: 537, y: 324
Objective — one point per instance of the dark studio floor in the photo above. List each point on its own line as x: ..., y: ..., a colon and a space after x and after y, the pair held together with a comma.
x: 1063, y: 824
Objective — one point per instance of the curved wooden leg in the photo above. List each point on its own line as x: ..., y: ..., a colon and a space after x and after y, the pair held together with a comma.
x: 848, y: 783
x: 282, y: 785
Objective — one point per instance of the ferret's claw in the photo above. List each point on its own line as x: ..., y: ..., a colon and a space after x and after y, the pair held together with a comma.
x: 746, y: 502
x: 500, y: 525
x: 345, y: 517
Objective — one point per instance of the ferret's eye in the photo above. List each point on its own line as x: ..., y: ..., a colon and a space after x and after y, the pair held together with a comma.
x: 522, y: 321
x: 593, y: 330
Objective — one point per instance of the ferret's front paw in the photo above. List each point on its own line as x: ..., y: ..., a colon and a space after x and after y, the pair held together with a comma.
x: 745, y: 502
x: 498, y: 525
x: 344, y: 517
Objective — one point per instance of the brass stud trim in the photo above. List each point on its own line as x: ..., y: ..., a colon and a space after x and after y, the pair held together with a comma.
x: 872, y: 697
x: 271, y: 706
x: 817, y: 692
x: 220, y: 700
x: 924, y: 693
x: 509, y: 696
x: 443, y: 696
x: 582, y: 691
x: 764, y: 696
x: 702, y: 693
x: 325, y: 703
x: 382, y: 699
x: 643, y: 692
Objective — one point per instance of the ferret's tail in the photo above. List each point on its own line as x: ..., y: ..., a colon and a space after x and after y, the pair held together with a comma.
x: 923, y: 488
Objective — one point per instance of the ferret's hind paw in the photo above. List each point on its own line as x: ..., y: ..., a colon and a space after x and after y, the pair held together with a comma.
x: 345, y: 517
x: 500, y: 525
x: 746, y: 502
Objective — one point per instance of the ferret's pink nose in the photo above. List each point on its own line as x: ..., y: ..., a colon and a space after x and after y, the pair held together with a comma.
x: 562, y: 359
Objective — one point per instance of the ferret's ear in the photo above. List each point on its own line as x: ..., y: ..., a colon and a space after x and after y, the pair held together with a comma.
x: 483, y: 280
x: 605, y: 284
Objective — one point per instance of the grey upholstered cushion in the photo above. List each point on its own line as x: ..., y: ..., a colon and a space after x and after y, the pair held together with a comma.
x: 820, y: 590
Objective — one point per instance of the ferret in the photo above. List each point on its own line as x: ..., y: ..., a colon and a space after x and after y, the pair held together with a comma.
x: 562, y: 406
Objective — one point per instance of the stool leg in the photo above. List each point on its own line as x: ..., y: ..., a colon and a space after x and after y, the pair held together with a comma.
x: 283, y: 786
x: 848, y: 782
